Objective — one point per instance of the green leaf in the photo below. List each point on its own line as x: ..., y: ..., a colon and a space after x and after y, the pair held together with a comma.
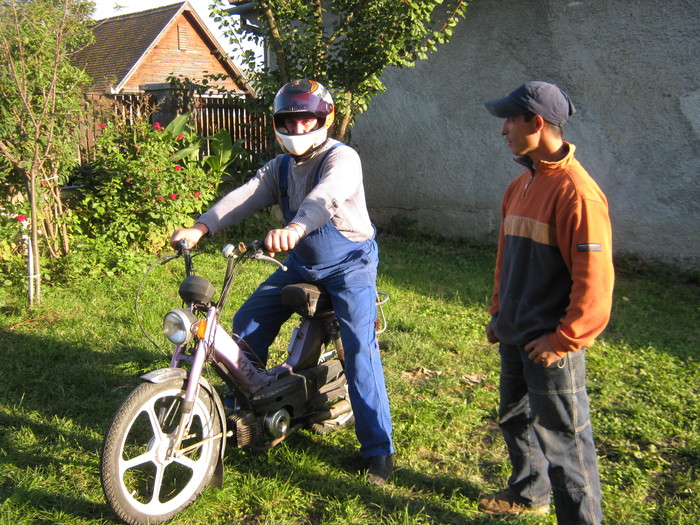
x: 189, y: 151
x: 178, y: 124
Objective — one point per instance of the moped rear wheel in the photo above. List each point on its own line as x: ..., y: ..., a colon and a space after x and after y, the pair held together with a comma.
x: 143, y: 479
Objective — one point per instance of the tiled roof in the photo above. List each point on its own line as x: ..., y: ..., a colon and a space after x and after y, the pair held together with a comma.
x: 122, y: 42
x: 119, y: 43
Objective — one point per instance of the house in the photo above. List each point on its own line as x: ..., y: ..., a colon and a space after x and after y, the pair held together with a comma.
x: 133, y: 58
x: 140, y: 50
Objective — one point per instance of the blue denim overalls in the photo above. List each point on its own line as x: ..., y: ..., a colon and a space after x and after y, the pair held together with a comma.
x: 348, y: 271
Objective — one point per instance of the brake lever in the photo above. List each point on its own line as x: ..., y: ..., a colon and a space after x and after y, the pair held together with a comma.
x: 262, y: 257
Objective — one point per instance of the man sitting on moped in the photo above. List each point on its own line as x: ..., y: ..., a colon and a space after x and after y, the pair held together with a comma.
x: 330, y: 238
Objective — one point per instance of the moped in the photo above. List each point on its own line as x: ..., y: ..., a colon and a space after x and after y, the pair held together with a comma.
x: 166, y: 442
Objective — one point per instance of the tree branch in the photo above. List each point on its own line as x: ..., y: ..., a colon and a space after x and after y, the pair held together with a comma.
x: 276, y: 40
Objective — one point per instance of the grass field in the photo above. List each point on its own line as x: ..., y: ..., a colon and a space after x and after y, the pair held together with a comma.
x: 66, y: 367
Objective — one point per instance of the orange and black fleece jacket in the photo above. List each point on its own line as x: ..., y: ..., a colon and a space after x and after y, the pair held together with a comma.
x: 554, y: 270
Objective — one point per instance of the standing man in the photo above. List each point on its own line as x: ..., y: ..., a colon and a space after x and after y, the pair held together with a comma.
x: 552, y: 297
x: 318, y: 185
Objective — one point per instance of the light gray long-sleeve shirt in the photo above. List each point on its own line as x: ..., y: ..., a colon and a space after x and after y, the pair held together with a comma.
x: 339, y: 194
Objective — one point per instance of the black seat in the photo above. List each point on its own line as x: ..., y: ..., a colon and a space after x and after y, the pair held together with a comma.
x: 307, y: 300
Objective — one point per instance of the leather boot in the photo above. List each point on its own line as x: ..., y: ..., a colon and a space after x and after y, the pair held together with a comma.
x: 380, y: 468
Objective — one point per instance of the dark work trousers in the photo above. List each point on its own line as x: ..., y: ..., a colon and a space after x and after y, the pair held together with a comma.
x: 545, y: 419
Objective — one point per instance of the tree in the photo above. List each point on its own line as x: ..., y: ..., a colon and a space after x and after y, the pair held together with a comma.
x: 344, y: 44
x: 41, y: 104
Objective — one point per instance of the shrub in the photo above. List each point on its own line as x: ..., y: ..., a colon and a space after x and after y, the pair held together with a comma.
x: 146, y: 181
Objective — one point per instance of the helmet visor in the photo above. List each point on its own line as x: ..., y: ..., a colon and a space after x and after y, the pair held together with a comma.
x: 301, y: 103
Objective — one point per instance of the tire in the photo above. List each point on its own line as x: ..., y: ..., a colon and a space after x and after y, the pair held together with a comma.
x: 140, y: 483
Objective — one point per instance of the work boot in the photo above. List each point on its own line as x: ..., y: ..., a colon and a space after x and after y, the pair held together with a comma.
x: 380, y: 468
x: 503, y: 503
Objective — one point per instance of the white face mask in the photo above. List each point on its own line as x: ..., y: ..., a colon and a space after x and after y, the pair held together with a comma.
x: 302, y: 144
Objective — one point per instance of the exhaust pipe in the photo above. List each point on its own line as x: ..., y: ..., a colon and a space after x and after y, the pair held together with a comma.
x: 338, y: 409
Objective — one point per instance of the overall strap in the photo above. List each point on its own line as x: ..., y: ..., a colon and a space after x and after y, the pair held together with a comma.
x: 284, y: 198
x: 284, y: 172
x: 317, y: 176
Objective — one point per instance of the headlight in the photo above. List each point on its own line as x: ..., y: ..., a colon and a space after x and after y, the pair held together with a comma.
x: 177, y: 324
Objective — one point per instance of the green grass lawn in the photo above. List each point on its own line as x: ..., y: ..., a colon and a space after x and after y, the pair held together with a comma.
x: 66, y: 367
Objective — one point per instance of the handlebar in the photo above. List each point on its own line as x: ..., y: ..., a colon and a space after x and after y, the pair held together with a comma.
x: 256, y: 247
x: 183, y: 248
x: 182, y: 244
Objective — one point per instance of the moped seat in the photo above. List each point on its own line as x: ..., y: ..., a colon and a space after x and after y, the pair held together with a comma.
x: 307, y: 299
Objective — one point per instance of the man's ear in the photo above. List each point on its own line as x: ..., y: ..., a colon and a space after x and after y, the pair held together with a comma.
x: 538, y: 123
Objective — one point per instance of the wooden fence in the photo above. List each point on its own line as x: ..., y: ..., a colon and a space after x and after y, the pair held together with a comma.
x: 209, y: 115
x: 213, y: 114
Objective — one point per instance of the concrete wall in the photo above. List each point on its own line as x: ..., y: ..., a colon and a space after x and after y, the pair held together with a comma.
x: 433, y: 154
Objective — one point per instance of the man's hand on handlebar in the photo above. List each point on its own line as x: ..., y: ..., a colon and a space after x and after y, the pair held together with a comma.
x: 190, y: 235
x: 282, y: 239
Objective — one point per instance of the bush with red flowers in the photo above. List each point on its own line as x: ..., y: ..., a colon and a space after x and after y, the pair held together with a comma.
x: 146, y: 181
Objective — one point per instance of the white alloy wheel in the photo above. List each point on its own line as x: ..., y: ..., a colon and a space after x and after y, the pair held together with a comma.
x: 143, y: 479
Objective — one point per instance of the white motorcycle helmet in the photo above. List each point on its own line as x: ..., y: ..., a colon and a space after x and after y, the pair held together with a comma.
x: 298, y: 98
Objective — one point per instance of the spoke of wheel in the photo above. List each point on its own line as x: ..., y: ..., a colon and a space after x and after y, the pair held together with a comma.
x: 148, y: 457
x: 186, y: 462
x: 155, y: 424
x: 157, y: 483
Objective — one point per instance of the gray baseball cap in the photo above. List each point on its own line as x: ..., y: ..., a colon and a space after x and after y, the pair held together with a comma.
x: 541, y: 98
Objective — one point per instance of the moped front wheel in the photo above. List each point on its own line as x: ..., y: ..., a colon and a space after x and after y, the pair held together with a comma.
x: 144, y: 479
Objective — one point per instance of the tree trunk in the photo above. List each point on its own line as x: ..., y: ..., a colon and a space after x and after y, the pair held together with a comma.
x: 344, y: 120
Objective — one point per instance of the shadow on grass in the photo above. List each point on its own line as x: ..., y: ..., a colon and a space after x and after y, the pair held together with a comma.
x: 56, y: 399
x: 448, y: 268
x: 655, y: 307
x: 45, y: 502
x: 408, y: 492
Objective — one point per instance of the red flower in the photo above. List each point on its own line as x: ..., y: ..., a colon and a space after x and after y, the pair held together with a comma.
x: 173, y: 196
x: 180, y: 137
x: 178, y: 168
x: 157, y: 126
x: 159, y: 198
x: 101, y: 126
x: 128, y: 180
x: 146, y: 189
x: 21, y: 218
x: 197, y: 195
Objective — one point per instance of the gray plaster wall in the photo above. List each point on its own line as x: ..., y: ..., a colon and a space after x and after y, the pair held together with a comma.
x: 432, y: 154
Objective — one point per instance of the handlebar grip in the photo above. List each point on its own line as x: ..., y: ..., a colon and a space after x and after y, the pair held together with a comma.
x: 230, y: 250
x: 256, y: 246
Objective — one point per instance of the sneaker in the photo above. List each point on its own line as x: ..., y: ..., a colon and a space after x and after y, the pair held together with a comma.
x: 503, y: 504
x: 380, y: 468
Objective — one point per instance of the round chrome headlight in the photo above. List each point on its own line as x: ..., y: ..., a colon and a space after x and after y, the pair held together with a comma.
x: 177, y: 325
